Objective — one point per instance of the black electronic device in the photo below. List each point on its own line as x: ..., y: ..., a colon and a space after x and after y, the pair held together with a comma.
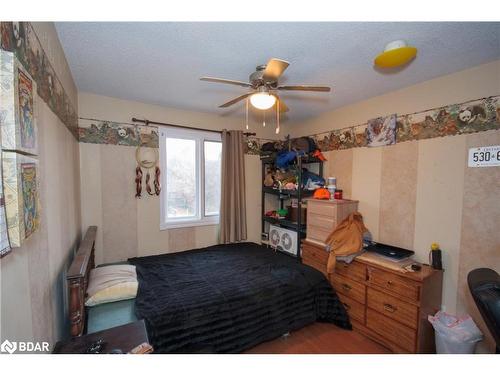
x: 388, y: 251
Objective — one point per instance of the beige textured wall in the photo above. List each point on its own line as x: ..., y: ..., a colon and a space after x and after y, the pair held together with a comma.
x: 32, y: 295
x: 415, y: 193
x: 129, y: 226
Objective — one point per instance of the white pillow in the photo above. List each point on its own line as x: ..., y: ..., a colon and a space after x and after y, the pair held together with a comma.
x: 111, y: 283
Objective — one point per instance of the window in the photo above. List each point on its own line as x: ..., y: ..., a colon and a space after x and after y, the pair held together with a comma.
x: 191, y: 177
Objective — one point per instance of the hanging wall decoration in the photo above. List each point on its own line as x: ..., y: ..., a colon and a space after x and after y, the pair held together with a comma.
x: 381, y: 131
x: 18, y: 97
x: 21, y: 192
x: 147, y: 159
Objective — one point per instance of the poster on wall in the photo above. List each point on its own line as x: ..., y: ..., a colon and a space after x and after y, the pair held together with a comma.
x: 18, y: 97
x: 21, y: 192
x: 4, y: 235
x: 381, y: 131
x: 26, y: 95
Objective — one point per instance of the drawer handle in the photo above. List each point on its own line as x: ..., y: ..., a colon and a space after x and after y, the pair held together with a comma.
x: 389, y: 307
x: 346, y: 287
x: 347, y: 307
x: 389, y: 283
x: 346, y: 265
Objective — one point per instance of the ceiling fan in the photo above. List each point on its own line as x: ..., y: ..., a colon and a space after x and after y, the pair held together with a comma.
x: 264, y: 86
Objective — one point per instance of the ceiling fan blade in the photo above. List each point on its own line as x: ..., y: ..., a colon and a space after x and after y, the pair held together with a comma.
x: 305, y: 88
x: 228, y: 81
x: 235, y: 100
x: 283, y: 106
x: 274, y: 69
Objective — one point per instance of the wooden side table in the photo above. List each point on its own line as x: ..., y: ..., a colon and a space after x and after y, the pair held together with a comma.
x: 123, y: 338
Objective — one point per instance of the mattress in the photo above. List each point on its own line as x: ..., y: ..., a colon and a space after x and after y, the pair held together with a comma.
x: 229, y: 298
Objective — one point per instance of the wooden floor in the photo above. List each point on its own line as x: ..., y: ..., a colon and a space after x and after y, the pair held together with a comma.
x: 320, y: 338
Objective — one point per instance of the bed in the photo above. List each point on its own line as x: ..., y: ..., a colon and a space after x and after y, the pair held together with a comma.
x: 220, y: 299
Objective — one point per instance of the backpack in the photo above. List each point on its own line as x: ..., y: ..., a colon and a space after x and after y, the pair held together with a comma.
x: 346, y: 239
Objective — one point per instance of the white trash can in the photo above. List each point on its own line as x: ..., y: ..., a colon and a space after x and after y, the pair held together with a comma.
x: 455, y: 335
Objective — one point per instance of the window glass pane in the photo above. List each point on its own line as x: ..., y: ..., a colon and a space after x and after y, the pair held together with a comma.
x: 181, y: 178
x: 212, y: 177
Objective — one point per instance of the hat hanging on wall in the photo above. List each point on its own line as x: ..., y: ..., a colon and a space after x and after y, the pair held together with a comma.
x: 395, y: 54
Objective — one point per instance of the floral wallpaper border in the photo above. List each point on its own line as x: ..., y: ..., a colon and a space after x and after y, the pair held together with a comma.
x: 20, y: 38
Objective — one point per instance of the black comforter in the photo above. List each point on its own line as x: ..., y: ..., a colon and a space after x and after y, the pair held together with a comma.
x: 228, y: 298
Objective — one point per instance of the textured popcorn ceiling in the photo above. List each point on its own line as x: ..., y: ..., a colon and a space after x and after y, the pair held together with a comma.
x: 160, y: 63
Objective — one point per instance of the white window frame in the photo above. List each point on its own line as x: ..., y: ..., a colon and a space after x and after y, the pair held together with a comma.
x: 200, y: 219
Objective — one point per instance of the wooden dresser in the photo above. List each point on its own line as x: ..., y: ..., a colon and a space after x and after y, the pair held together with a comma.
x: 324, y: 215
x: 385, y: 304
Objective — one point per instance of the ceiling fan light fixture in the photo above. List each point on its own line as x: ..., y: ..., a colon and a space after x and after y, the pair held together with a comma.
x: 395, y: 54
x: 262, y: 100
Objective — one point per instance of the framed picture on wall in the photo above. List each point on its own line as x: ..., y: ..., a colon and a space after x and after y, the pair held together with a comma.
x: 21, y: 195
x: 18, y: 97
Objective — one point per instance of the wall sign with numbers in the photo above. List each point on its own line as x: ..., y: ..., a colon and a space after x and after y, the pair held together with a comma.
x: 488, y: 156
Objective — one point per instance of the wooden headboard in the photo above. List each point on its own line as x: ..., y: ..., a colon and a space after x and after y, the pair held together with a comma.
x: 77, y: 279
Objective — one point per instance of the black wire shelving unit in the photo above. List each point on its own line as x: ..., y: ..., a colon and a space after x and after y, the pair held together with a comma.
x: 283, y: 195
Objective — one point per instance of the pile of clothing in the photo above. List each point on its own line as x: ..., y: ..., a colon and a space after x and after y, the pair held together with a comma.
x: 284, y: 175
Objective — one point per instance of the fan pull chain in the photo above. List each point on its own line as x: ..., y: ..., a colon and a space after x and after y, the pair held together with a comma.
x: 264, y: 121
x: 278, y: 116
x: 246, y: 114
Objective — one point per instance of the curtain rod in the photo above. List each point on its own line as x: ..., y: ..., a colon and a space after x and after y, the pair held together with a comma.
x: 149, y: 123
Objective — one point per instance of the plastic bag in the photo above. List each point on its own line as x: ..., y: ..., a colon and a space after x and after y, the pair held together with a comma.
x: 455, y: 335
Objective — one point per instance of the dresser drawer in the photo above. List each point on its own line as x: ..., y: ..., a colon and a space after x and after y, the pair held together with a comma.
x: 354, y: 309
x: 348, y: 287
x: 324, y: 222
x: 316, y: 253
x: 316, y: 233
x: 393, y: 307
x: 392, y: 330
x: 315, y: 264
x: 397, y: 284
x: 354, y: 270
x: 321, y: 208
